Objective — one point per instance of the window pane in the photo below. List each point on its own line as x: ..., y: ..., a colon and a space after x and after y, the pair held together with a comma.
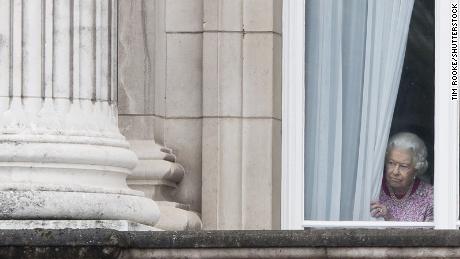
x: 355, y: 54
x: 414, y: 110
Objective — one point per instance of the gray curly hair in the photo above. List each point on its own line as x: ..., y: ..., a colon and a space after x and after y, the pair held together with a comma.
x: 410, y: 141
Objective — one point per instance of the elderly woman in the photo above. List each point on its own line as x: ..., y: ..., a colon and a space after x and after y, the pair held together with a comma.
x: 404, y: 197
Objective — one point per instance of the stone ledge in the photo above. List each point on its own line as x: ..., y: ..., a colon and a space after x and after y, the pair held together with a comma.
x: 351, y: 243
x: 231, y: 239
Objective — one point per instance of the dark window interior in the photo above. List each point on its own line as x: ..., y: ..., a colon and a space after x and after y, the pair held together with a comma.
x: 414, y: 110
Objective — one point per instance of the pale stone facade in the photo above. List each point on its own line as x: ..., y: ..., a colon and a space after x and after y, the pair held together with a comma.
x: 198, y: 86
x: 203, y: 78
x: 62, y: 156
x: 198, y: 142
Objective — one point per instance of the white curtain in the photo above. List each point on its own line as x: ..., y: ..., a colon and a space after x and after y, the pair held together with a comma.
x: 354, y: 56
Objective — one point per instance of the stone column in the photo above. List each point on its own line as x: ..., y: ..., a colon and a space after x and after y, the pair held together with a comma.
x: 61, y: 153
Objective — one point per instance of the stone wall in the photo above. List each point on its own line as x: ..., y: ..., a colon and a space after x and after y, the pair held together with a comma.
x: 203, y: 78
x: 335, y: 243
x: 160, y: 82
x: 242, y: 114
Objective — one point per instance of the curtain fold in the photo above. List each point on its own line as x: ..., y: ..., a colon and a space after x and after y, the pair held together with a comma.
x: 354, y: 56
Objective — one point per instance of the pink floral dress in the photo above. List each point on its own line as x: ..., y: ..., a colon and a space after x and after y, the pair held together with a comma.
x: 418, y: 206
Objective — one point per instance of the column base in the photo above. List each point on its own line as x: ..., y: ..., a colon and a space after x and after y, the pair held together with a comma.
x: 61, y: 205
x: 120, y: 225
x: 176, y: 219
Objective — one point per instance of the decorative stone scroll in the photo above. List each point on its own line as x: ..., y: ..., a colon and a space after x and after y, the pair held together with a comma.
x: 61, y: 153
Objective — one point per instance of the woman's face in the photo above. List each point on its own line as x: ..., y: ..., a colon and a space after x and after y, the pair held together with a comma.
x: 399, y: 169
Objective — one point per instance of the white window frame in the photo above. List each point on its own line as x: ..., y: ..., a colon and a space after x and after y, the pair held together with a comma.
x: 446, y: 140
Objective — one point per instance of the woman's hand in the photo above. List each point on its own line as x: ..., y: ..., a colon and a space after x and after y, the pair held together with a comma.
x: 378, y: 210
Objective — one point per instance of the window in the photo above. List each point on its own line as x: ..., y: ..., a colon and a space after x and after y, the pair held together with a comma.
x: 445, y: 139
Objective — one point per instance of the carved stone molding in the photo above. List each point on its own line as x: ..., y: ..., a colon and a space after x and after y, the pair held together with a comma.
x: 157, y: 175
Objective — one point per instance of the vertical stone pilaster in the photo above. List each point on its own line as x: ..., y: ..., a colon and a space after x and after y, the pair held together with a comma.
x: 145, y: 94
x: 241, y: 114
x: 61, y: 153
